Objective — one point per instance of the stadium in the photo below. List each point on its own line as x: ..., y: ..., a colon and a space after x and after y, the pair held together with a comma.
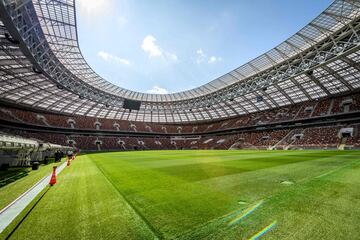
x: 269, y: 150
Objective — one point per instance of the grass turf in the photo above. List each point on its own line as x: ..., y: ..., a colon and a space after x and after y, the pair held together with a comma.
x: 11, y: 191
x: 202, y: 195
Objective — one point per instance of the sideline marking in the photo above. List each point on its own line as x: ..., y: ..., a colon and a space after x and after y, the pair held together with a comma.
x: 27, y: 214
x: 156, y: 232
x: 12, y: 210
x: 247, y: 212
x: 335, y: 170
x: 263, y: 231
x: 328, y: 173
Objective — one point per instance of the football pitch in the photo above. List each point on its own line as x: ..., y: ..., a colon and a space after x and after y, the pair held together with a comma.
x: 200, y: 194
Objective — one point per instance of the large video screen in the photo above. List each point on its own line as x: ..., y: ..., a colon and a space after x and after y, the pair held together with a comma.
x: 131, y: 104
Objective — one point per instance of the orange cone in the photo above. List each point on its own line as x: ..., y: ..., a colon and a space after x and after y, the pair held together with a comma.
x: 53, y: 177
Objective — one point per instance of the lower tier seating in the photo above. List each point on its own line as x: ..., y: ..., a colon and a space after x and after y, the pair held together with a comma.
x: 312, y: 137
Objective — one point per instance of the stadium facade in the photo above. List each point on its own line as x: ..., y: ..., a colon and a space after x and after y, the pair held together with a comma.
x: 42, y: 60
x: 311, y: 80
x: 302, y: 94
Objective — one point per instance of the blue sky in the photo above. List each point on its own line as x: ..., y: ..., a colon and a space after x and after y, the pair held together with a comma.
x: 164, y: 46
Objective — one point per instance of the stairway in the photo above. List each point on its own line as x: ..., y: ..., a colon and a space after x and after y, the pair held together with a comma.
x: 342, y: 144
x: 313, y: 110
x: 330, y: 107
x: 283, y: 140
x: 290, y: 144
x: 241, y: 144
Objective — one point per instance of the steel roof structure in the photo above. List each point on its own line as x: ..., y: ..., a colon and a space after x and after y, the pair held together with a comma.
x: 41, y: 66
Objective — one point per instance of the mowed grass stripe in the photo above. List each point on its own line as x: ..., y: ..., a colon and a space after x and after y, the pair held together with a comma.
x: 323, y: 208
x: 217, y: 227
x: 159, y: 194
x: 154, y: 230
x: 164, y: 198
x: 185, y: 157
x: 308, y: 202
x: 83, y: 205
x: 201, y: 171
x: 199, y: 202
x: 255, y: 185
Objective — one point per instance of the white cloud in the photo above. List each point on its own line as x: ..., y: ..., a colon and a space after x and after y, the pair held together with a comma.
x: 157, y: 90
x: 202, y: 57
x: 153, y: 50
x: 200, y: 52
x: 149, y: 46
x: 214, y: 59
x: 171, y: 56
x: 112, y: 58
x: 94, y: 8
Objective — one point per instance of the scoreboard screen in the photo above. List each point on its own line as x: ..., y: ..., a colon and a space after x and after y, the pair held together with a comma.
x: 131, y: 104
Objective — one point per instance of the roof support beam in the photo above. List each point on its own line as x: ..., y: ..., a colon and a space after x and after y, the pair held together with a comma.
x: 283, y: 93
x: 315, y: 80
x: 301, y: 88
x: 231, y: 107
x: 351, y: 63
x: 62, y: 63
x: 241, y: 106
x: 353, y: 2
x: 270, y: 98
x: 338, y: 77
x: 71, y: 102
x: 251, y: 103
x: 85, y: 103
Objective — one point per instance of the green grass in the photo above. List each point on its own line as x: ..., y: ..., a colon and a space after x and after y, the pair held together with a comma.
x: 10, y: 192
x: 12, y: 174
x: 202, y: 195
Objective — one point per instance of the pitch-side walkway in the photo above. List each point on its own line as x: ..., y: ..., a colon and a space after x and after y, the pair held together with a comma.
x: 9, y: 213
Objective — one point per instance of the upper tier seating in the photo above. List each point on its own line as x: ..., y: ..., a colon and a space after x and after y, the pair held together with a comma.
x: 310, y: 109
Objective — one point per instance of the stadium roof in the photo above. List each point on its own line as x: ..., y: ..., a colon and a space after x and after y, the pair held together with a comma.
x: 42, y: 67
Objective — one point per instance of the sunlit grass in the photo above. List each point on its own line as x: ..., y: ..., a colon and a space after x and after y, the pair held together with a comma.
x: 202, y: 195
x: 11, y: 191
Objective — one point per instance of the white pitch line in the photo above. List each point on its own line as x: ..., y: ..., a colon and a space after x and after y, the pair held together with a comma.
x: 11, y: 211
x: 327, y: 173
x: 334, y: 170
